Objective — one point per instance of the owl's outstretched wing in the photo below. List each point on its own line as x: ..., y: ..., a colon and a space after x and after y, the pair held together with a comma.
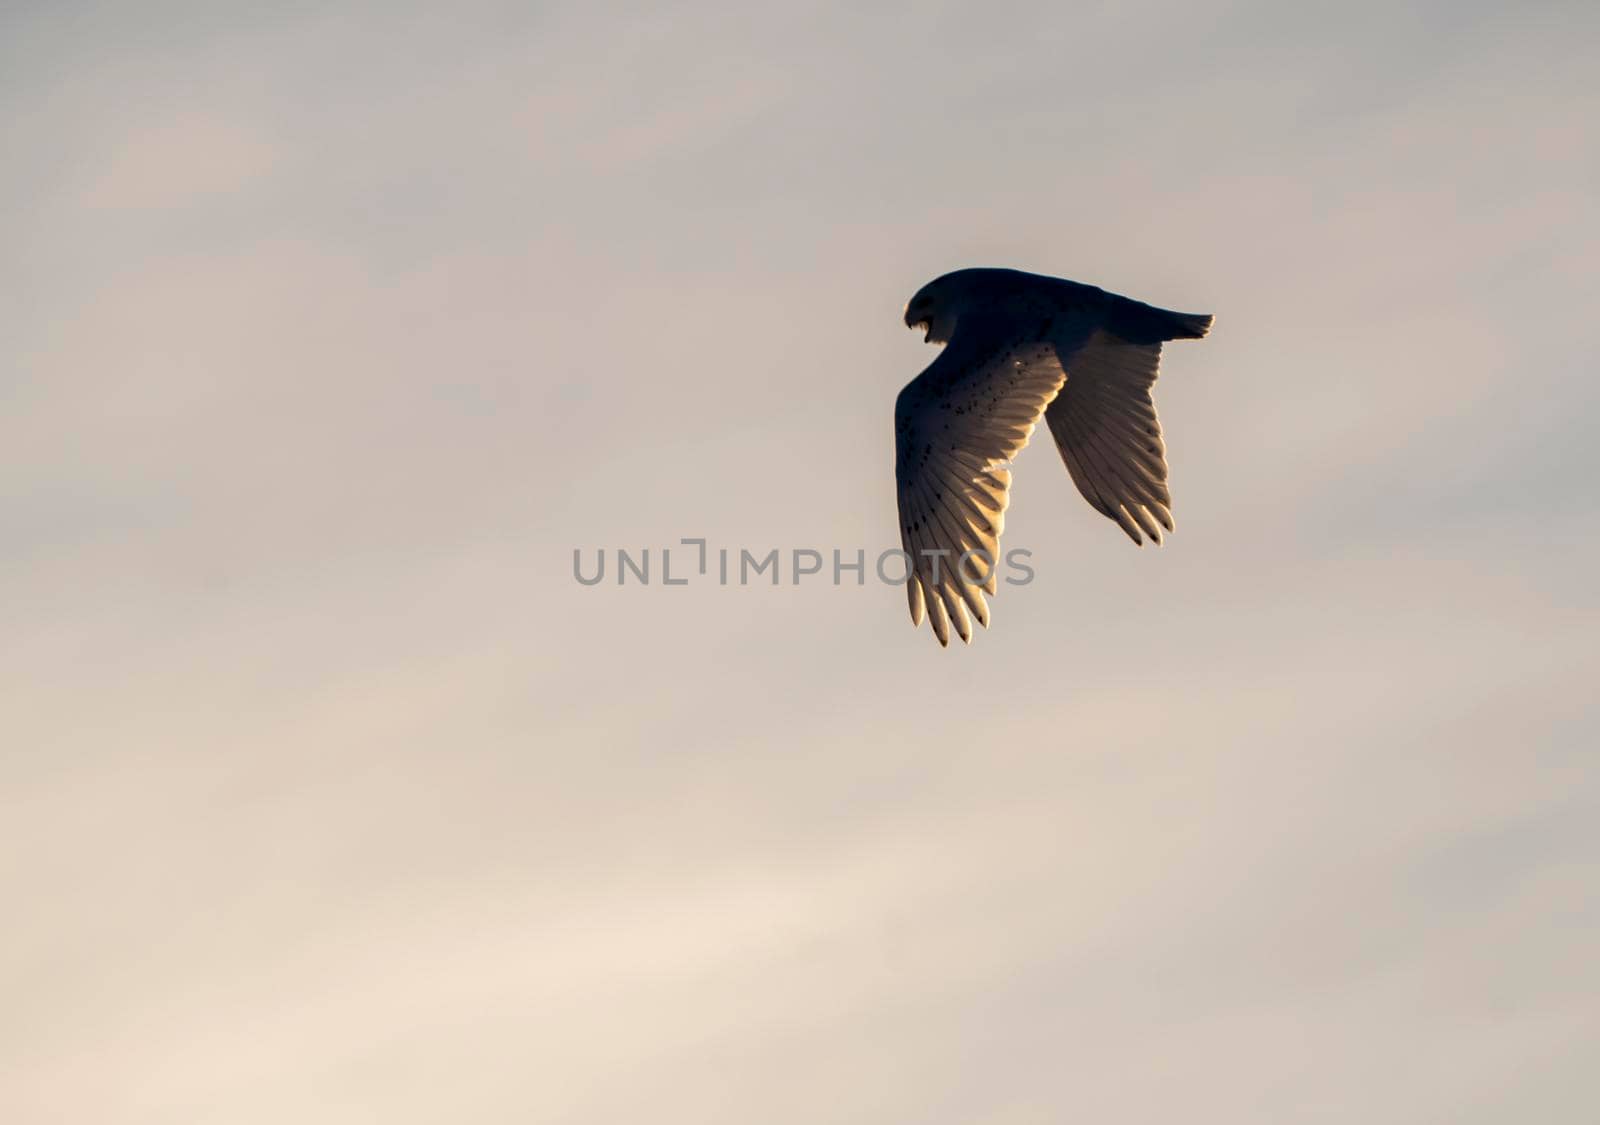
x: 1107, y: 432
x: 1104, y: 421
x: 957, y: 427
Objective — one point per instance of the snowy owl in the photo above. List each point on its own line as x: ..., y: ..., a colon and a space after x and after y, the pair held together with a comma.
x: 1018, y: 345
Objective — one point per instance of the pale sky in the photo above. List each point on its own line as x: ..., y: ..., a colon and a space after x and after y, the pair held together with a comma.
x: 329, y: 796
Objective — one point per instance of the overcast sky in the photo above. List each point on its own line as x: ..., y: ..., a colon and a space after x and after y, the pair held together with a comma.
x: 327, y: 794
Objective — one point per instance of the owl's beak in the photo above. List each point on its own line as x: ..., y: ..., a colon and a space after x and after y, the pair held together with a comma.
x: 923, y: 323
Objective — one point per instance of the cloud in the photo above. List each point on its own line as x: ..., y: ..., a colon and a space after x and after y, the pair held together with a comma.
x: 333, y: 795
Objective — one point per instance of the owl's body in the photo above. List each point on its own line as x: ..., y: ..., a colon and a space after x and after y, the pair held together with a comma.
x: 1018, y: 345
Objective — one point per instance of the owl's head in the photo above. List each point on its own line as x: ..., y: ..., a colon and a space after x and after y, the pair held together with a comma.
x: 934, y: 307
x: 939, y: 304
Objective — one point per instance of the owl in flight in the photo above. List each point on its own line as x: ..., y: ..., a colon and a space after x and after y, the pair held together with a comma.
x: 1018, y: 345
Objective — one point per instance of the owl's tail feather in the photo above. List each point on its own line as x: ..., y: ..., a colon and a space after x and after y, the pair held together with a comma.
x: 1190, y: 326
x: 1139, y: 323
